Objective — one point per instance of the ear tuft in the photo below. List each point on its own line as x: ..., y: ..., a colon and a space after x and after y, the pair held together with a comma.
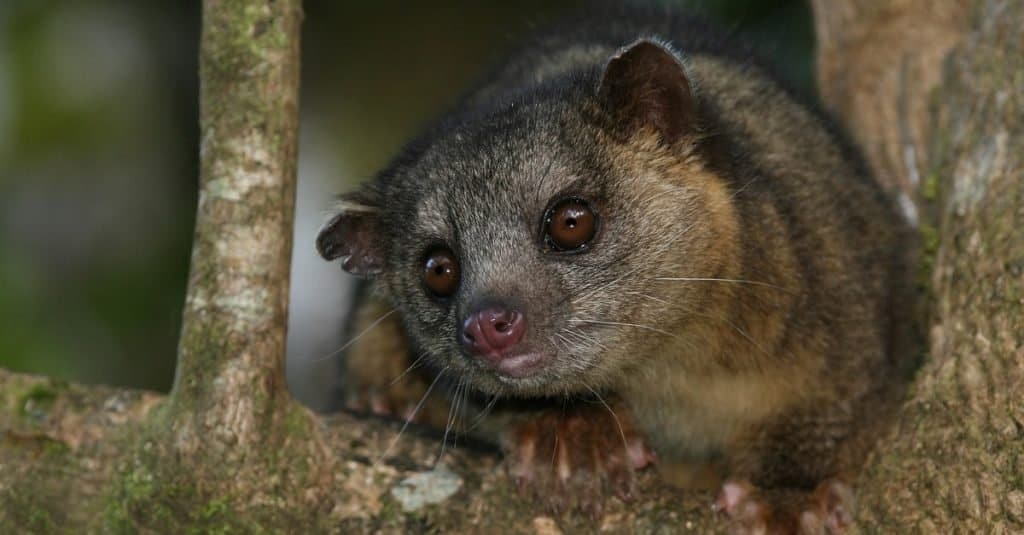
x: 645, y: 84
x: 353, y: 235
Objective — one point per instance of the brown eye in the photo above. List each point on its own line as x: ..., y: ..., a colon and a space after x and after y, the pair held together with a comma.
x: 441, y: 272
x: 570, y: 225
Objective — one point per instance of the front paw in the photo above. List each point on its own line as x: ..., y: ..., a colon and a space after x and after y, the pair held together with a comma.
x: 826, y: 511
x: 380, y: 375
x: 574, y: 459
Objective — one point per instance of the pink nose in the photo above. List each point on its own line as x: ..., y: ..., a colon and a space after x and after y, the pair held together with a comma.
x: 492, y: 331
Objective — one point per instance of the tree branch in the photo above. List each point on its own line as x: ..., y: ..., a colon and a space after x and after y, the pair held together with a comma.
x: 233, y: 333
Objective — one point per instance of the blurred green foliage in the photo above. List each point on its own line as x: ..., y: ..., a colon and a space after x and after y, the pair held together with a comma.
x: 98, y: 147
x: 97, y: 185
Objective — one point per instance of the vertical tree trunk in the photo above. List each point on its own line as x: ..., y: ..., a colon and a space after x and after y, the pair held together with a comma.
x: 232, y: 342
x: 878, y: 61
x: 229, y: 432
x: 955, y: 463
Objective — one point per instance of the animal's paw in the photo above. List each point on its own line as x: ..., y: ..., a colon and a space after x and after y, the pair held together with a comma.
x: 828, y: 510
x: 382, y: 401
x: 379, y: 375
x: 382, y: 386
x: 392, y: 388
x: 574, y: 459
x: 408, y: 399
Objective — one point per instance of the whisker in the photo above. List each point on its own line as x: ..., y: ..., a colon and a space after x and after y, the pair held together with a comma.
x: 484, y: 413
x: 622, y: 433
x: 457, y: 421
x: 409, y: 418
x: 710, y: 316
x: 743, y: 187
x: 569, y: 352
x: 568, y: 343
x: 640, y: 268
x: 358, y: 336
x: 451, y: 419
x: 592, y: 291
x: 411, y: 367
x: 623, y: 324
x: 587, y: 341
x: 735, y: 327
x: 461, y: 423
x: 554, y: 344
x: 651, y: 297
x: 554, y: 447
x: 737, y: 281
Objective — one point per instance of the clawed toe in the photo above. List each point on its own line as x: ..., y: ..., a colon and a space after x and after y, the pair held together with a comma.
x: 575, y: 461
x: 826, y: 511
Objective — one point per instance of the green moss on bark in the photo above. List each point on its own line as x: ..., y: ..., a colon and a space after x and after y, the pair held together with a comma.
x: 953, y: 464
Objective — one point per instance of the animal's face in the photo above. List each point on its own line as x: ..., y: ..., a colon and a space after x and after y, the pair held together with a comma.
x: 524, y: 248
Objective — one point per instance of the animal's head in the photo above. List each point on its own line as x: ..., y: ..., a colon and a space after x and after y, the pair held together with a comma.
x: 523, y: 244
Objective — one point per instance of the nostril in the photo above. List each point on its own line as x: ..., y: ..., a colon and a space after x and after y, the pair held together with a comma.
x: 471, y: 337
x: 492, y: 331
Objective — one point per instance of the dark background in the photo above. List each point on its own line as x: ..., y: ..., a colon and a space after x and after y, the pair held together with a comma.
x: 98, y: 159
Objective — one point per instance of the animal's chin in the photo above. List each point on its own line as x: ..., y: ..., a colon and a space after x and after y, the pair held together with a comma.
x: 527, y: 374
x: 522, y: 365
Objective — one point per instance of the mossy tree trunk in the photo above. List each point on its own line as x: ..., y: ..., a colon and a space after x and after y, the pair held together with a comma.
x: 947, y: 129
x: 228, y: 450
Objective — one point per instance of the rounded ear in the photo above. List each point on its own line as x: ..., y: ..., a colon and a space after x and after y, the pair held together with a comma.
x: 353, y: 235
x: 645, y: 84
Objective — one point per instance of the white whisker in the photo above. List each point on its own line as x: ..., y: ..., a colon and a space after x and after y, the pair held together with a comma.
x: 637, y: 325
x: 745, y: 186
x: 735, y: 327
x: 652, y: 298
x: 411, y: 367
x: 591, y: 292
x: 568, y: 343
x: 358, y: 336
x: 452, y: 409
x: 737, y: 281
x: 625, y: 443
x: 409, y: 418
x: 586, y: 339
x: 483, y: 414
x: 554, y: 344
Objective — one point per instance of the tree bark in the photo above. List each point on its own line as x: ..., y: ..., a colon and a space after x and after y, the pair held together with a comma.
x: 228, y: 450
x: 878, y: 62
x: 955, y: 462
